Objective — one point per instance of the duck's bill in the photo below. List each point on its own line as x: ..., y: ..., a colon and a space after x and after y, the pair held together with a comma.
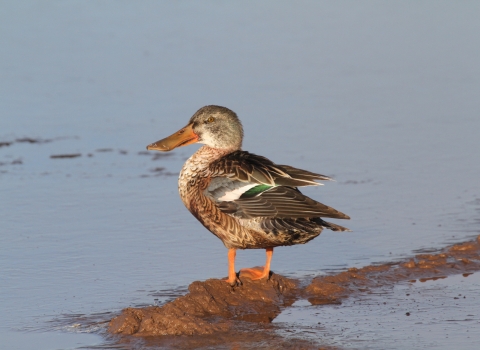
x: 182, y: 137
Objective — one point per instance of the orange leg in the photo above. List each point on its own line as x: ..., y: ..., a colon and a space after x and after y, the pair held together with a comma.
x: 256, y: 273
x: 232, y: 276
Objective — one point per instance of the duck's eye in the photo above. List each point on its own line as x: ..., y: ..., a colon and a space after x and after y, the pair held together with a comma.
x: 210, y: 119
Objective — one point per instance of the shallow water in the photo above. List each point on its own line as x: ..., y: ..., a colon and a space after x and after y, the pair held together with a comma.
x: 433, y: 314
x: 382, y: 96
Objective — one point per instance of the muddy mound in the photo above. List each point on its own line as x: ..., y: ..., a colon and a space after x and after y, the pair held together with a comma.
x: 209, y: 307
x: 214, y: 314
x: 463, y: 258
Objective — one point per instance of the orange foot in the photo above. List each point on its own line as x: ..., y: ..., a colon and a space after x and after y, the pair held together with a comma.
x: 255, y: 273
x: 233, y: 281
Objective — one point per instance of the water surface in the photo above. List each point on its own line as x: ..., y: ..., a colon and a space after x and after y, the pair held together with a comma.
x: 382, y: 96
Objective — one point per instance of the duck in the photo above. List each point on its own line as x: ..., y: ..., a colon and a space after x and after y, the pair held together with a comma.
x: 246, y: 200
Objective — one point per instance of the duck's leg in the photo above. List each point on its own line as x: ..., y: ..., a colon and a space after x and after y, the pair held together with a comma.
x: 232, y: 276
x: 256, y: 273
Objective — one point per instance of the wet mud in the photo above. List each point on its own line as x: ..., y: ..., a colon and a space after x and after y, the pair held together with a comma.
x: 60, y: 156
x: 30, y: 140
x: 213, y: 313
x: 461, y: 258
x: 260, y: 337
x: 5, y: 143
x: 24, y: 140
x: 210, y: 307
x: 154, y: 156
x: 13, y: 162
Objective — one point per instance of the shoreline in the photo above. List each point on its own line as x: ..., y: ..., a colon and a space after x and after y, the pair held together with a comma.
x: 213, y: 314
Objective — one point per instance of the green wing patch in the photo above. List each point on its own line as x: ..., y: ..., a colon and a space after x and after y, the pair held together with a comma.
x: 255, y: 191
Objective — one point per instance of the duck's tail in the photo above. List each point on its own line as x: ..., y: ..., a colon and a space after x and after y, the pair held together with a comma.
x: 333, y: 227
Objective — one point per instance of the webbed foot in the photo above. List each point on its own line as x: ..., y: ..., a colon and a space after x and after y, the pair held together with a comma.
x: 255, y: 273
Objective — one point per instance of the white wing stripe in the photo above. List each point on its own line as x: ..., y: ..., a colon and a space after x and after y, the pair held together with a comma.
x: 236, y: 193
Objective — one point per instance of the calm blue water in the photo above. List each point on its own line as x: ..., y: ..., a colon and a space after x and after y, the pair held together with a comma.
x: 382, y: 96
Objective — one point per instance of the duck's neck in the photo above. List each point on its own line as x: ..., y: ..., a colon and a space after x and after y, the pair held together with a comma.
x: 194, y: 174
x: 207, y: 155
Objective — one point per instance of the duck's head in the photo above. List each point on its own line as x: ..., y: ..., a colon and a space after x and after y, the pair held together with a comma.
x: 215, y: 126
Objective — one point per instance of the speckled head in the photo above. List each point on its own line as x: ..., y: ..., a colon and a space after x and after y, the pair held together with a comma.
x: 215, y: 126
x: 218, y: 127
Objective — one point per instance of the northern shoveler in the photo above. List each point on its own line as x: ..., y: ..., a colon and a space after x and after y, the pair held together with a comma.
x: 244, y: 199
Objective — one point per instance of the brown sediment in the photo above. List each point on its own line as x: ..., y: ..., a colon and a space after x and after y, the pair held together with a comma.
x: 13, y: 162
x: 24, y: 140
x: 213, y: 313
x: 32, y: 140
x: 159, y: 155
x: 158, y: 170
x: 5, y: 144
x: 156, y: 155
x: 210, y: 307
x: 59, y: 156
x: 461, y: 258
x: 252, y: 338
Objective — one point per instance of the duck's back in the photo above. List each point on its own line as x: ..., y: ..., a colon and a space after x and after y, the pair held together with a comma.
x: 249, y: 202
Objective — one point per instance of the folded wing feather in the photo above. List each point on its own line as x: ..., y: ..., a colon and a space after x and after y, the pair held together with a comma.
x: 238, y: 173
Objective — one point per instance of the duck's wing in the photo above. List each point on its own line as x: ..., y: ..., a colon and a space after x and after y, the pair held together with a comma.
x: 247, y: 167
x: 248, y: 186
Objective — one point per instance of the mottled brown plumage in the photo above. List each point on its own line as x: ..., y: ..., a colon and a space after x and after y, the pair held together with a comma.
x: 245, y: 200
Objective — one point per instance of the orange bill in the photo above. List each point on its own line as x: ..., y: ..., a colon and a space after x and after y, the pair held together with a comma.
x: 182, y: 137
